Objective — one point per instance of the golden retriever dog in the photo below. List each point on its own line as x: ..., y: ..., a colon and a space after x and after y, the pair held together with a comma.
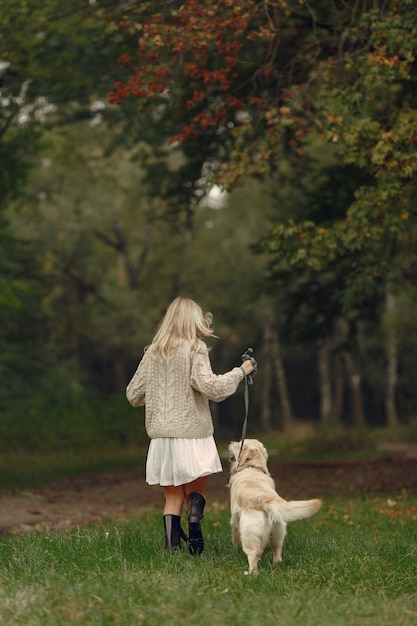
x: 259, y: 516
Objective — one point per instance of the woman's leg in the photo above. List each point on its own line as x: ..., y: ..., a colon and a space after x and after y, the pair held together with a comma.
x: 174, y: 499
x: 195, y: 492
x: 198, y: 485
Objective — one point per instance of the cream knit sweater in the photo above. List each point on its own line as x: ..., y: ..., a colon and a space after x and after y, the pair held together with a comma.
x: 176, y: 392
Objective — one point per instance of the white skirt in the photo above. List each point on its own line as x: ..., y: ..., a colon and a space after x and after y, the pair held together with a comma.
x: 177, y: 461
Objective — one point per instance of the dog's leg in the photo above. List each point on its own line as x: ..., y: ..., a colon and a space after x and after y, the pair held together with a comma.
x: 253, y: 560
x: 235, y: 536
x: 278, y: 533
x: 234, y: 523
x: 254, y: 532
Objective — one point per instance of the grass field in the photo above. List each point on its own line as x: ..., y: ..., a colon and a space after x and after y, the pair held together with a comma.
x: 354, y: 563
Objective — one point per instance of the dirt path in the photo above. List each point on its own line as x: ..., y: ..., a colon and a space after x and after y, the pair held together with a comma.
x: 124, y: 495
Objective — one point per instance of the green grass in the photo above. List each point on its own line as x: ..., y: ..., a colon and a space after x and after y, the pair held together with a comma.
x: 354, y: 563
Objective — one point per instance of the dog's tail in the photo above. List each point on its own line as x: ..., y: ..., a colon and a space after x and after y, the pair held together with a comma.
x: 298, y: 509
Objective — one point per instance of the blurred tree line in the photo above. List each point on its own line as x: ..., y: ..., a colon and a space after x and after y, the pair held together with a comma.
x: 103, y: 222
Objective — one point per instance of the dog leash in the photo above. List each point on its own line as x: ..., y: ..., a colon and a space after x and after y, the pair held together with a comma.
x: 245, y: 422
x: 248, y: 381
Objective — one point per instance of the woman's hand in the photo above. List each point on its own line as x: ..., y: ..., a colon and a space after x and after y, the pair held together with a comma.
x: 247, y: 366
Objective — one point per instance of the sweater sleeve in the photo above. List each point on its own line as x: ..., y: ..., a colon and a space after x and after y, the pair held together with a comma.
x: 215, y: 387
x: 135, y: 391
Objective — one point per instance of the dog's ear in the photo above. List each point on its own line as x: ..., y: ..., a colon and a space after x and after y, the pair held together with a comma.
x: 264, y: 451
x: 247, y: 454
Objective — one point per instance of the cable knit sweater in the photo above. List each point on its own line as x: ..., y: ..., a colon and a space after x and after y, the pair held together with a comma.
x: 177, y: 391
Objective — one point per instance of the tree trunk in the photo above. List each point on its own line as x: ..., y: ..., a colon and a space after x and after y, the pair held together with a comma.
x: 274, y: 356
x: 339, y: 389
x: 266, y: 376
x: 357, y: 412
x: 325, y: 381
x: 391, y: 350
x: 278, y: 364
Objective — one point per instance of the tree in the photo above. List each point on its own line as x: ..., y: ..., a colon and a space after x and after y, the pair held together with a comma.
x: 56, y: 64
x: 254, y: 80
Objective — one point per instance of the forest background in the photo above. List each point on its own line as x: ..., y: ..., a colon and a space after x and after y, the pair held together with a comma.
x: 259, y: 157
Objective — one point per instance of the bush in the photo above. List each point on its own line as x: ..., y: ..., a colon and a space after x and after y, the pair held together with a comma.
x: 44, y: 423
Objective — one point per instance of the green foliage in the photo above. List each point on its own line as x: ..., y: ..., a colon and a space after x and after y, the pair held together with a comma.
x: 367, y: 108
x: 353, y: 563
x: 332, y: 442
x: 56, y: 64
x: 107, y: 222
x: 13, y: 286
x: 40, y: 42
x: 62, y: 415
x: 106, y: 262
x: 22, y: 469
x: 341, y: 77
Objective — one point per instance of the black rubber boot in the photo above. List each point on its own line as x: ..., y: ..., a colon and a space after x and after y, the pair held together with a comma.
x: 196, y: 503
x: 173, y: 532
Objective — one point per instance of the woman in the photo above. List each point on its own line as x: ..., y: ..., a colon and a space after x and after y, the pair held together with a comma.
x: 175, y: 381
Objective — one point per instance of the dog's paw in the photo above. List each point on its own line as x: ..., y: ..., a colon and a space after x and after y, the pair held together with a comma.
x: 252, y: 573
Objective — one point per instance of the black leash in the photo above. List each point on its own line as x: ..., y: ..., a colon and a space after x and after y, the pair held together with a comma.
x: 248, y: 381
x: 245, y: 422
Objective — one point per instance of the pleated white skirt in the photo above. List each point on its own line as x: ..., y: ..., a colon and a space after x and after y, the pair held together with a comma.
x: 177, y: 461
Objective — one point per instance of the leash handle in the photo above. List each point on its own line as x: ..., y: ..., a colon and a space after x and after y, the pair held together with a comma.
x: 247, y: 356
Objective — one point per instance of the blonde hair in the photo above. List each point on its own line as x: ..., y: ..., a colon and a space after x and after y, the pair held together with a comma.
x: 184, y: 320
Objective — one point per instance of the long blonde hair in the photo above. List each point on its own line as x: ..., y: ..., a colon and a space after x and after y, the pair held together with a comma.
x: 184, y: 320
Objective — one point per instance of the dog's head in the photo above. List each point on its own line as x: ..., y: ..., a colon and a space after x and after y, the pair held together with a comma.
x: 253, y: 453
